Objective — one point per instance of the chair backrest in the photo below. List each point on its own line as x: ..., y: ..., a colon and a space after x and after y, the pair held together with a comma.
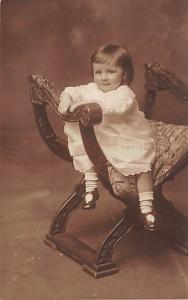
x: 158, y: 78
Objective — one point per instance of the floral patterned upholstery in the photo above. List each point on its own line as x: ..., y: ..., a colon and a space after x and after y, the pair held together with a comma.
x: 171, y: 151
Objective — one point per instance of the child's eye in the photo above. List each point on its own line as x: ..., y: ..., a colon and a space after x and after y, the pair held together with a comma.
x: 111, y: 71
x: 97, y: 72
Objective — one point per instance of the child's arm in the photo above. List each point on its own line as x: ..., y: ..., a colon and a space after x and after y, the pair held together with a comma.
x: 65, y: 102
x: 120, y: 104
x: 119, y: 107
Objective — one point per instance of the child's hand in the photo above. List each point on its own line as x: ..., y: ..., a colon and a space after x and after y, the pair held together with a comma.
x: 66, y: 101
x: 63, y: 107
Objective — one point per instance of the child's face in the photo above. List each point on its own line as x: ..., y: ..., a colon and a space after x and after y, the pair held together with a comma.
x: 107, y: 76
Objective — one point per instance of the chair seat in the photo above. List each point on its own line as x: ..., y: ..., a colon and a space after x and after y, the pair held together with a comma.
x: 171, y: 143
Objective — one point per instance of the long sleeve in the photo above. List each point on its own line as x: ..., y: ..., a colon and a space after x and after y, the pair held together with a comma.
x: 119, y: 102
x: 113, y: 103
x: 68, y: 97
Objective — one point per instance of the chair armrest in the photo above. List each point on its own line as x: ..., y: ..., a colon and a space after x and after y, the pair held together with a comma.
x: 44, y: 92
x: 158, y: 78
x: 88, y: 114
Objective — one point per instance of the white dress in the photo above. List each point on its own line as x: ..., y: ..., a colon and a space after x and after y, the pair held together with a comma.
x: 124, y: 134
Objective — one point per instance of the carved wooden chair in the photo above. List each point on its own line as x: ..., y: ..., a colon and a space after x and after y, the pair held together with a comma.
x: 171, y: 156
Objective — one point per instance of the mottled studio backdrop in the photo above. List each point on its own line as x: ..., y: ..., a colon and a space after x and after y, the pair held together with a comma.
x: 56, y: 37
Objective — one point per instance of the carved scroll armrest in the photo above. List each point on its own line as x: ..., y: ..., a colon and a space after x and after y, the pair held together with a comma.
x: 158, y: 78
x: 43, y: 93
x: 88, y: 114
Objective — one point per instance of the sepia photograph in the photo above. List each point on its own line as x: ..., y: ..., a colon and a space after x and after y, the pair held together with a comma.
x: 94, y: 149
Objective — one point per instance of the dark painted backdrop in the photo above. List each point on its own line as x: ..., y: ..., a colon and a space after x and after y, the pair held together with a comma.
x: 55, y: 38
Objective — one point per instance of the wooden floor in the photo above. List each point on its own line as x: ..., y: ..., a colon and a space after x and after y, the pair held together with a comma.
x: 33, y: 184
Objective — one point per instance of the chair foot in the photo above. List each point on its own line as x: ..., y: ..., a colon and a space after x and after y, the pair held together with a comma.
x: 81, y: 253
x: 99, y: 271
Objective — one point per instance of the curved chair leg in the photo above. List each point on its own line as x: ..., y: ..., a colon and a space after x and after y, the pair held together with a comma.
x: 63, y: 214
x: 103, y: 265
x: 60, y: 220
x: 174, y: 225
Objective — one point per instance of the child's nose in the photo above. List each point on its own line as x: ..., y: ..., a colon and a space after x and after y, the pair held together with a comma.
x: 104, y: 76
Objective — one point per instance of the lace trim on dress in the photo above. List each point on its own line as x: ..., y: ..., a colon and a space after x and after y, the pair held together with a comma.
x: 133, y: 169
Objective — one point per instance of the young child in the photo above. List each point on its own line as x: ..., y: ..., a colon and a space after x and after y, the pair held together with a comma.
x: 124, y: 134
